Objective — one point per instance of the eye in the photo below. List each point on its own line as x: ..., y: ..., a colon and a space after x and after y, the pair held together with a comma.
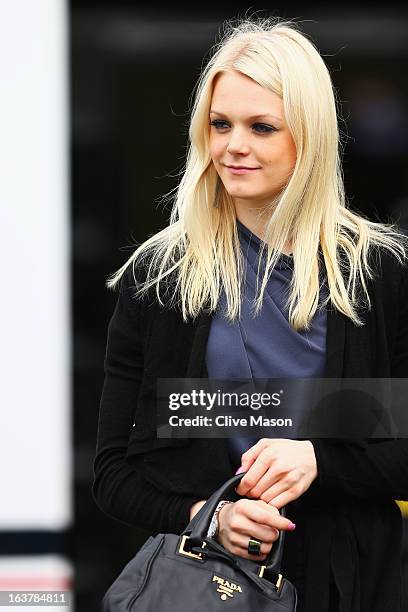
x: 263, y: 128
x: 260, y: 128
x: 217, y: 123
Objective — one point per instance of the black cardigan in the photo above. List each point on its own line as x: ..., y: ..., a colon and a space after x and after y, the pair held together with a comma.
x: 348, y: 517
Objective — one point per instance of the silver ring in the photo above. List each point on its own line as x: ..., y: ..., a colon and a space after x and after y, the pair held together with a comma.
x: 254, y: 546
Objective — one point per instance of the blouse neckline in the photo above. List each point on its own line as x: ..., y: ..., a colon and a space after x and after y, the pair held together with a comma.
x: 253, y: 238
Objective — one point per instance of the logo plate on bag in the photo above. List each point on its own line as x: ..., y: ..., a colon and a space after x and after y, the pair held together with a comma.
x: 226, y: 588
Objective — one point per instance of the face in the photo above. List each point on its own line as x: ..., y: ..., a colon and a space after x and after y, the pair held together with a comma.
x: 248, y: 129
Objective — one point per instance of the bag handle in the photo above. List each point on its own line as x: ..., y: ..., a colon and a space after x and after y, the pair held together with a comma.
x: 198, y: 526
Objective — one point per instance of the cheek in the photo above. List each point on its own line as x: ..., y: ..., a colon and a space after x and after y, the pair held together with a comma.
x: 292, y: 154
x: 291, y: 151
x: 216, y: 147
x: 282, y: 155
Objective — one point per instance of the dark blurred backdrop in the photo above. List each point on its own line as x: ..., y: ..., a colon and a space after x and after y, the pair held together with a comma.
x: 132, y: 73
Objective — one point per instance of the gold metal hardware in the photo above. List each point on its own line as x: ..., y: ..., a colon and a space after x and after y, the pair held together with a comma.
x: 188, y: 553
x: 279, y: 580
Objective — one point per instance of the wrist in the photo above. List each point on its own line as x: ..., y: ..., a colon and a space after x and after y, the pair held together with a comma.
x: 313, y: 460
x: 213, y: 529
x: 221, y: 515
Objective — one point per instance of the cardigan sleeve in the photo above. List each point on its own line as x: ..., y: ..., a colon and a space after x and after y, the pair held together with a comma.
x: 122, y: 493
x: 119, y: 489
x: 377, y: 470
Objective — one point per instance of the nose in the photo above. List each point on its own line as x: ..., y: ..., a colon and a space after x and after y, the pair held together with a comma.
x: 237, y: 144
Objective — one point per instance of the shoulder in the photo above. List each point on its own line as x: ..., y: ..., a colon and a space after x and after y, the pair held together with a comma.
x: 390, y: 268
x: 134, y: 274
x: 140, y: 289
x: 131, y: 301
x: 389, y: 285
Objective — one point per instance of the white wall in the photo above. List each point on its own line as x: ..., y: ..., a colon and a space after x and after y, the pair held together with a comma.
x: 35, y: 428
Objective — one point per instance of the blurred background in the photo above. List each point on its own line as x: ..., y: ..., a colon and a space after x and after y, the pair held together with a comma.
x: 94, y: 122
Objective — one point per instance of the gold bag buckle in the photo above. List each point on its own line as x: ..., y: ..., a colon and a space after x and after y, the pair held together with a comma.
x: 279, y: 580
x: 188, y: 553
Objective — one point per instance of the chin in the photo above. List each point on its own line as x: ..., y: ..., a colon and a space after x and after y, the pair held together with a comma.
x: 243, y: 195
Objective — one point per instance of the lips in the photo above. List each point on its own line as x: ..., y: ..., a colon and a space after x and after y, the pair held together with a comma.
x: 242, y: 167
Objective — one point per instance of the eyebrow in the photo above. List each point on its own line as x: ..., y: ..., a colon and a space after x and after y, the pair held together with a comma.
x: 253, y: 116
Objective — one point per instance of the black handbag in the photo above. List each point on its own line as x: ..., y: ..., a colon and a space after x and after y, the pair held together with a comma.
x: 173, y: 573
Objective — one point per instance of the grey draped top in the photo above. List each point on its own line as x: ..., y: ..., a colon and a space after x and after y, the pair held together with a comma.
x: 264, y: 346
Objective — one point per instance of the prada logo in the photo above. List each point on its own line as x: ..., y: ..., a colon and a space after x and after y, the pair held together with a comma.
x: 225, y: 588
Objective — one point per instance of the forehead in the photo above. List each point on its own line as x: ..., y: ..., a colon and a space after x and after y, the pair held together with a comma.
x: 236, y: 93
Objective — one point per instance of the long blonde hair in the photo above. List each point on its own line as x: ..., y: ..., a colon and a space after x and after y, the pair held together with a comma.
x: 200, y: 248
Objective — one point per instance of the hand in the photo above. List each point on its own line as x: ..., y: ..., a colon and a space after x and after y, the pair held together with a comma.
x: 247, y: 518
x: 278, y: 471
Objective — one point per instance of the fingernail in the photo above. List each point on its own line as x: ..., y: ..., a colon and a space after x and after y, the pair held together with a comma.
x: 291, y: 526
x: 240, y: 470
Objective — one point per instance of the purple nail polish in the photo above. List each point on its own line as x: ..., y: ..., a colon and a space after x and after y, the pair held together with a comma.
x: 291, y: 526
x: 240, y: 470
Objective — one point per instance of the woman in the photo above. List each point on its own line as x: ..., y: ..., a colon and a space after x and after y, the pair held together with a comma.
x: 260, y: 219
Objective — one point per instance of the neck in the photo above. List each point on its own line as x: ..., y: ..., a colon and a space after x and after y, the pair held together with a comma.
x: 257, y: 225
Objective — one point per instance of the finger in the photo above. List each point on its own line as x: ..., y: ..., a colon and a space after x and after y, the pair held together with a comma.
x: 265, y: 515
x: 252, y: 453
x: 284, y: 498
x: 265, y: 533
x: 240, y: 543
x: 278, y: 488
x: 257, y: 470
x: 264, y: 484
x: 270, y: 508
x: 243, y: 552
